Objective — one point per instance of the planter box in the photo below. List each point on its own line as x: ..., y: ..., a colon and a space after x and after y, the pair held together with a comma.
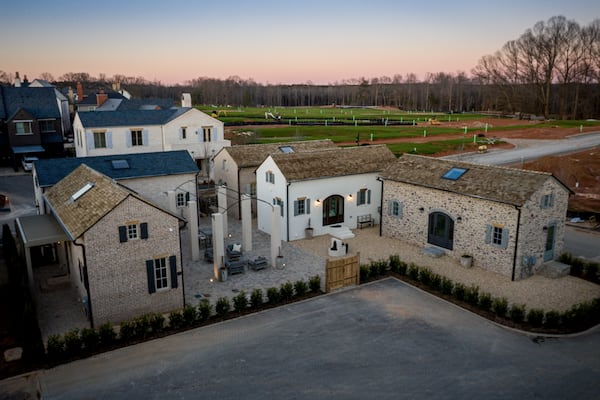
x: 466, y: 261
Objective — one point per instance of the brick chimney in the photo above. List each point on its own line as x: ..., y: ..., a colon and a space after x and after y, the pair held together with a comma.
x: 101, y: 97
x: 79, y: 91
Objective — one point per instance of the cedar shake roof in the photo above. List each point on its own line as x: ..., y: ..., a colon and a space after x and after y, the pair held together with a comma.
x: 339, y: 161
x: 252, y: 155
x: 501, y: 184
x: 80, y: 214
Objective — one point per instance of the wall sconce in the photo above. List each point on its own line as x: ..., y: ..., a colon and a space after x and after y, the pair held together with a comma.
x: 545, y: 228
x: 350, y: 197
x: 421, y: 209
x: 459, y: 219
x: 318, y: 201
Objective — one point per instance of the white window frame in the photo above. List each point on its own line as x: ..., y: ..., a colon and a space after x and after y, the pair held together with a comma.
x: 497, y: 233
x: 24, y: 123
x: 137, y: 137
x: 98, y: 137
x: 161, y: 274
x: 180, y: 199
x: 363, y: 197
x: 270, y: 177
x: 183, y: 132
x: 133, y: 231
x: 207, y: 133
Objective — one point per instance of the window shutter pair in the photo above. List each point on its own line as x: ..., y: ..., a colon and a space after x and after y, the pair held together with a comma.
x: 488, y: 236
x: 180, y: 134
x: 123, y: 232
x: 547, y: 201
x: 152, y: 279
x: 391, y: 204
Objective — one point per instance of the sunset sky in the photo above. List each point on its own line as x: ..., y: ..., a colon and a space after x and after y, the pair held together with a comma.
x: 269, y: 41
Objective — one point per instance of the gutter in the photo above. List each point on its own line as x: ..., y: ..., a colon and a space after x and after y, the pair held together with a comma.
x: 287, y: 214
x: 239, y: 190
x: 512, y: 278
x: 181, y: 227
x: 86, y: 282
x: 381, y: 208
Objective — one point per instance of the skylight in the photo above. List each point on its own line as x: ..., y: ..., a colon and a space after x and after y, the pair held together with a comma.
x: 82, y: 191
x: 286, y: 149
x: 120, y: 164
x: 454, y: 173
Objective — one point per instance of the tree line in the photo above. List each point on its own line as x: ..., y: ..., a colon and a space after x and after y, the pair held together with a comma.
x: 552, y: 70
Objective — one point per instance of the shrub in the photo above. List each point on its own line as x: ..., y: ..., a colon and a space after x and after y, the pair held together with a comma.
x: 55, y: 347
x: 72, y: 342
x: 379, y: 268
x: 436, y: 281
x: 142, y: 326
x: 447, y: 286
x: 240, y: 301
x: 107, y: 334
x: 256, y: 298
x: 425, y: 276
x: 126, y: 331
x: 175, y: 319
x: 413, y: 272
x: 394, y: 263
x: 459, y: 291
x: 157, y: 322
x: 204, y: 309
x: 535, y: 317
x: 314, y: 283
x: 273, y: 295
x: 578, y: 316
x: 517, y: 312
x: 286, y: 290
x: 300, y: 288
x: 576, y: 267
x: 552, y: 319
x: 190, y: 315
x: 485, y: 301
x: 365, y: 271
x: 223, y: 306
x: 500, y: 306
x: 90, y: 339
x: 472, y: 295
x: 592, y: 270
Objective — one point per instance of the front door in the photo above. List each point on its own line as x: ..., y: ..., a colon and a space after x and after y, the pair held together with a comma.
x: 550, y: 236
x: 333, y: 210
x: 441, y: 230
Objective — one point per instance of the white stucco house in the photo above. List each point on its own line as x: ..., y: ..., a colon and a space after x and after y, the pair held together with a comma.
x: 509, y: 221
x: 99, y: 133
x: 235, y: 167
x: 327, y: 189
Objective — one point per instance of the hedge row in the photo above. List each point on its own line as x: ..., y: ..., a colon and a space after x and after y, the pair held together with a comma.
x: 588, y: 270
x: 77, y: 343
x: 579, y: 317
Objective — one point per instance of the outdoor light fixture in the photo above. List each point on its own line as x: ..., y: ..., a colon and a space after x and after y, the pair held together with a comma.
x: 318, y: 200
x: 459, y: 219
x: 421, y: 209
x: 545, y: 228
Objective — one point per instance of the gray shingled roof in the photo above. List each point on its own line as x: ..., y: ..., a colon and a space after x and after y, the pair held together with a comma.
x: 252, y: 155
x: 501, y: 184
x: 101, y: 119
x: 141, y: 165
x: 40, y: 102
x: 339, y: 161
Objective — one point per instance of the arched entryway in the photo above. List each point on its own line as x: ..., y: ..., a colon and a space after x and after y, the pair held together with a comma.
x: 441, y: 230
x: 333, y: 210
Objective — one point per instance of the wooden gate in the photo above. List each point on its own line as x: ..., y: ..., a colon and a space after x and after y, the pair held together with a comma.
x: 342, y: 272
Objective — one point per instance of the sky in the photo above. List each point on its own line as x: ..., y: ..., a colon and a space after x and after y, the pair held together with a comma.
x: 269, y: 41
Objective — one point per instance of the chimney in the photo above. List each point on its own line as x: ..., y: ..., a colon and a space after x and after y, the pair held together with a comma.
x: 101, y: 97
x: 79, y: 91
x: 186, y: 100
x: 71, y: 95
x: 17, y: 81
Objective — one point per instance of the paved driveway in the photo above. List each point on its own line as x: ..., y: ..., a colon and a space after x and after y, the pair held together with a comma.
x: 385, y: 340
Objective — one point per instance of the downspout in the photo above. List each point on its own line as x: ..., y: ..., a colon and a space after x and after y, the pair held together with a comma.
x: 86, y: 282
x: 287, y: 214
x: 381, y: 209
x: 516, y: 243
x: 181, y: 227
x: 239, y: 190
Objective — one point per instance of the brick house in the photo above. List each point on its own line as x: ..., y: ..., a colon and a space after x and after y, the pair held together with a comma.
x: 329, y: 188
x: 122, y: 251
x: 511, y: 221
x: 235, y: 167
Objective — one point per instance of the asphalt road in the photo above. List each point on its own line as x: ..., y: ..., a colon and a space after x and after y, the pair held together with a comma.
x: 385, y: 340
x: 19, y: 188
x: 518, y: 155
x: 583, y: 243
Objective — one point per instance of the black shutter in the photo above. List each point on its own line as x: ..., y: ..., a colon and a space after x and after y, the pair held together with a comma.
x: 144, y: 230
x: 187, y: 196
x: 122, y: 233
x: 150, y: 273
x: 173, y: 266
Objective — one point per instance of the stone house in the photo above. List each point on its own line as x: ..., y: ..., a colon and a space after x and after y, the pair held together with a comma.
x: 235, y: 167
x: 99, y: 133
x: 122, y: 251
x: 329, y: 189
x: 511, y: 221
x: 167, y: 179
